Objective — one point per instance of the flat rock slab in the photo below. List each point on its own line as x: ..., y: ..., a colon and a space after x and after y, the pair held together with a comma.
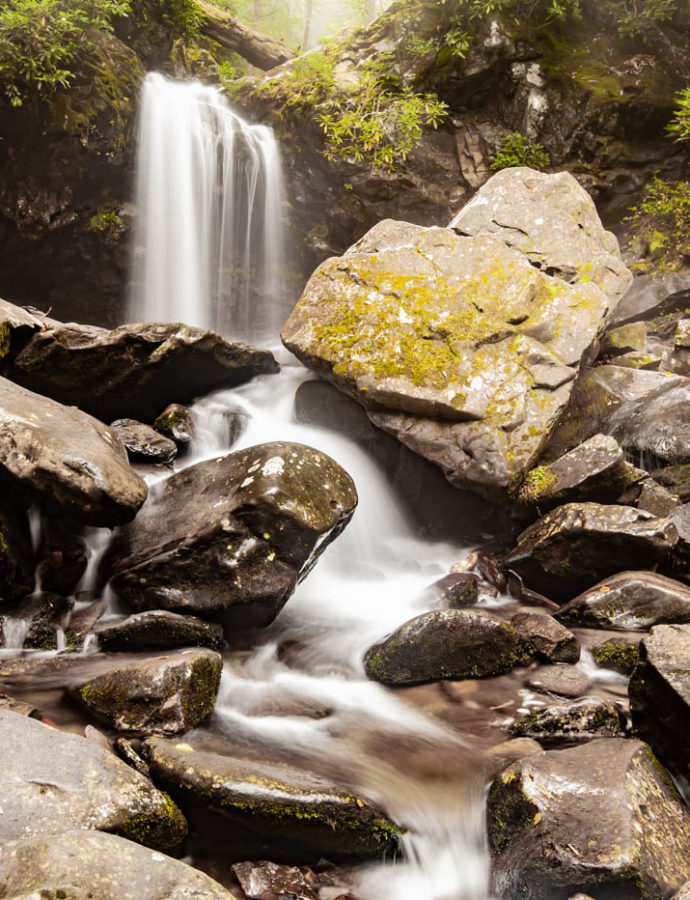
x: 159, y: 629
x: 456, y: 345
x: 601, y: 817
x: 660, y: 693
x: 553, y: 221
x: 52, y: 782
x: 165, y: 695
x: 567, y: 681
x: 580, y: 720
x: 281, y: 801
x: 83, y: 865
x: 231, y: 536
x: 630, y: 601
x: 134, y: 371
x: 67, y: 459
x: 578, y: 544
x: 447, y: 643
x: 143, y: 443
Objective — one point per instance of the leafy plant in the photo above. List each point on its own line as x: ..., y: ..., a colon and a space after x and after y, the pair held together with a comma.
x: 182, y: 16
x: 516, y: 151
x: 40, y: 39
x: 662, y: 221
x: 679, y: 126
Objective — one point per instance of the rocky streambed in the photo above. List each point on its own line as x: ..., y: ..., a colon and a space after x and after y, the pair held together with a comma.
x: 260, y: 647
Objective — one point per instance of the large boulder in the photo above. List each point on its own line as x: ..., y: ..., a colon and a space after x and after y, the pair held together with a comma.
x: 82, y: 865
x: 656, y: 427
x: 602, y: 817
x: 456, y: 345
x: 68, y: 460
x: 53, y: 782
x: 280, y: 801
x: 660, y: 693
x: 231, y: 536
x: 156, y: 629
x: 165, y: 695
x: 16, y: 326
x: 553, y: 221
x: 134, y: 371
x: 447, y: 643
x: 629, y: 601
x: 578, y: 544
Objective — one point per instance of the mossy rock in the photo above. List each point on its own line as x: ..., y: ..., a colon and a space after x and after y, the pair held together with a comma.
x: 618, y: 654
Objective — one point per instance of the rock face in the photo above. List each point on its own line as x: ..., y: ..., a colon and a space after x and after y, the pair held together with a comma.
x: 578, y: 721
x: 447, y: 643
x: 16, y: 326
x: 231, y: 536
x: 159, y: 629
x: 166, y: 695
x: 281, y: 801
x: 553, y: 221
x: 602, y: 817
x: 16, y: 554
x: 143, y: 443
x: 656, y: 428
x: 70, y: 461
x: 86, y: 865
x: 578, y: 544
x: 456, y: 345
x: 52, y: 782
x: 136, y: 370
x: 549, y: 639
x: 630, y: 601
x: 660, y: 693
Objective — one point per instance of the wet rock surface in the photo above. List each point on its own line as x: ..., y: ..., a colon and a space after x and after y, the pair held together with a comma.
x: 66, y: 459
x: 630, y: 601
x: 620, y: 825
x: 578, y: 544
x: 16, y: 553
x: 449, y: 643
x: 564, y: 680
x: 134, y: 371
x: 158, y: 628
x: 232, y: 535
x: 164, y: 695
x: 53, y: 782
x: 551, y: 640
x: 577, y: 721
x: 176, y: 422
x: 143, y: 443
x: 620, y: 654
x: 16, y: 326
x: 280, y: 801
x: 86, y: 865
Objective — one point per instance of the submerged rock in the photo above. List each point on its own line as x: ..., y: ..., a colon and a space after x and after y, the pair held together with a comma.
x: 143, y: 443
x: 159, y: 629
x: 282, y: 802
x: 447, y: 643
x: 53, y: 781
x: 83, y: 865
x: 580, y: 720
x: 166, y: 695
x: 67, y: 459
x: 578, y: 544
x: 456, y: 345
x: 231, y: 536
x: 629, y: 601
x: 549, y: 639
x: 134, y: 370
x: 603, y: 816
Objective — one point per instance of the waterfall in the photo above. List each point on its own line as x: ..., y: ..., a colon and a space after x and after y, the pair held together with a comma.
x: 208, y: 242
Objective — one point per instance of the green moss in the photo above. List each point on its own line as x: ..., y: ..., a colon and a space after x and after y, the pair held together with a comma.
x: 535, y: 484
x: 5, y: 339
x: 617, y: 654
x: 161, y: 828
x: 107, y: 223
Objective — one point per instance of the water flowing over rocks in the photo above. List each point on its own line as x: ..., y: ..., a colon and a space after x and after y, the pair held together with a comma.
x: 165, y: 695
x: 447, y: 643
x: 576, y: 721
x: 232, y: 535
x: 601, y: 817
x: 85, y: 865
x: 156, y: 629
x: 629, y: 601
x: 134, y: 371
x: 578, y: 544
x: 66, y: 459
x: 53, y: 782
x: 275, y: 799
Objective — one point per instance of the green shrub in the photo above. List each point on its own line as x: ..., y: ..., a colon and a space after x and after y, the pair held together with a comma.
x: 679, y: 126
x: 662, y: 222
x: 516, y: 151
x: 40, y: 39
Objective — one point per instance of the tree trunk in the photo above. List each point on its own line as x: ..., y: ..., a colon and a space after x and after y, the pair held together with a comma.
x: 259, y: 49
x: 307, y: 24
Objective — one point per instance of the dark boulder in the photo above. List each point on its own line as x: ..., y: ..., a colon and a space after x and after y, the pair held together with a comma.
x: 577, y: 721
x: 37, y: 619
x: 456, y: 590
x: 143, y: 443
x: 602, y: 817
x: 447, y: 643
x: 231, y: 536
x: 63, y: 557
x: 158, y: 629
x: 549, y: 639
x: 656, y: 428
x: 629, y: 601
x: 578, y: 544
x: 280, y: 801
x: 134, y: 370
x: 164, y: 695
x: 176, y: 422
x: 16, y: 553
x: 68, y: 460
x: 620, y: 654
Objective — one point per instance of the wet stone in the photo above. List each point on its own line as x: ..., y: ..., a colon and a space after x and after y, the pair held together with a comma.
x: 551, y: 640
x: 578, y: 721
x: 457, y: 590
x: 567, y: 681
x: 176, y: 422
x: 159, y: 629
x: 143, y: 443
x: 619, y: 654
x: 261, y: 880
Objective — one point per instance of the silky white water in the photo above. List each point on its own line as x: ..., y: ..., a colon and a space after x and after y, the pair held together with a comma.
x: 208, y: 242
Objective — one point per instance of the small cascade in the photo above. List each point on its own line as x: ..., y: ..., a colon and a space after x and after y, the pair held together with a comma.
x: 208, y: 246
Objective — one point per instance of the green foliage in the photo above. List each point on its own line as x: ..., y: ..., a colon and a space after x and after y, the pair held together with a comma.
x: 516, y: 151
x: 662, y: 222
x: 183, y: 17
x: 40, y: 39
x: 679, y: 126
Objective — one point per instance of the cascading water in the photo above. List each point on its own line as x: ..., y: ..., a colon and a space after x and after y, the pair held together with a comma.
x: 208, y: 243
